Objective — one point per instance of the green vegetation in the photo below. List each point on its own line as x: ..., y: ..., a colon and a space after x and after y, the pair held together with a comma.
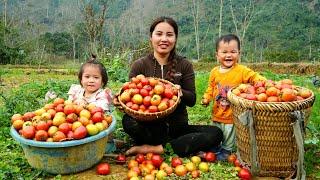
x: 13, y: 165
x: 40, y: 32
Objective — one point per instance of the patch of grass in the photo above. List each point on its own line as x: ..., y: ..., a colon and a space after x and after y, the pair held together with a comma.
x: 13, y: 164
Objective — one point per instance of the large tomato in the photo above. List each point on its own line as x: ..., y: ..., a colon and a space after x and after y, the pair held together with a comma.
x: 244, y: 174
x: 147, y: 101
x: 158, y: 89
x: 176, y: 161
x: 210, y: 157
x: 139, y: 158
x: 137, y: 99
x: 156, y: 160
x: 168, y: 93
x: 103, y: 169
x: 155, y: 100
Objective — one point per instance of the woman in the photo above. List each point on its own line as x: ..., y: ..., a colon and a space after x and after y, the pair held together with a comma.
x: 174, y: 129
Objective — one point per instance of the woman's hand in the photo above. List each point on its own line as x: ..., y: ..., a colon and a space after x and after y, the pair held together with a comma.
x: 179, y: 89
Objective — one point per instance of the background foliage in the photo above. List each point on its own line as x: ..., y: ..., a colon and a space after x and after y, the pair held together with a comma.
x: 37, y: 31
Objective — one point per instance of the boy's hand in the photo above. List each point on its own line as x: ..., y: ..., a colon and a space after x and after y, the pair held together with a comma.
x: 205, y: 102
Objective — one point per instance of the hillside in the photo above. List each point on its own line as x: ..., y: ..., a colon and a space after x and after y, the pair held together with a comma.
x: 278, y: 31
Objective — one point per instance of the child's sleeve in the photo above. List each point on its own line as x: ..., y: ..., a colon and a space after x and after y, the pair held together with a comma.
x: 74, y: 88
x: 104, y: 100
x: 251, y: 76
x: 211, y: 85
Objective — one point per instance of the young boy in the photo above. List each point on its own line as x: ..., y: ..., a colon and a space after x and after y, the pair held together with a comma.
x: 223, y: 77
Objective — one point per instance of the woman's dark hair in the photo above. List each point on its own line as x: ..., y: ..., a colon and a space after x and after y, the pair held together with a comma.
x: 94, y: 62
x: 172, y: 56
x: 227, y: 38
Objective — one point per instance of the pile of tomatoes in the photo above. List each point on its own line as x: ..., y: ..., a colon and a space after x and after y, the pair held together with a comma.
x: 270, y: 91
x: 148, y: 94
x: 61, y: 120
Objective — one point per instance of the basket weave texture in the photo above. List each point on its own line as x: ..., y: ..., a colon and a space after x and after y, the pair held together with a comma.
x: 277, y: 151
x: 142, y: 116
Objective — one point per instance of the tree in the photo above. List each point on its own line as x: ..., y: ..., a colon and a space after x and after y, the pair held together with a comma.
x: 94, y: 25
x: 242, y: 19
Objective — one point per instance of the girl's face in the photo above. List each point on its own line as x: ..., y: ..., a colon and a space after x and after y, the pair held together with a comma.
x: 228, y: 53
x: 163, y: 38
x: 91, y: 79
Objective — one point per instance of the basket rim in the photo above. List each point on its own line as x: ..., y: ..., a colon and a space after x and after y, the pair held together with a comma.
x: 150, y: 116
x: 296, y: 105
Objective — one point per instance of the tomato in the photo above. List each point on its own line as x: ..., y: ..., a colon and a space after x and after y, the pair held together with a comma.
x: 80, y: 132
x: 195, y: 174
x: 153, y: 81
x: 156, y: 160
x: 139, y: 158
x: 210, y: 157
x: 65, y: 128
x: 176, y: 161
x: 244, y: 174
x: 168, y: 93
x: 137, y: 99
x: 132, y: 163
x: 153, y: 109
x: 155, y: 100
x: 180, y: 170
x: 158, y: 89
x: 103, y: 169
x: 232, y: 158
x: 68, y: 109
x: 42, y: 125
x: 96, y: 109
x: 58, y: 136
x: 237, y: 163
x: 135, y: 80
x: 146, y: 101
x: 162, y: 106
x: 121, y: 159
x: 41, y: 135
x: 139, y: 85
x: 28, y: 132
x: 97, y: 117
x: 144, y: 81
x: 147, y: 87
x: 149, y: 155
x: 144, y: 92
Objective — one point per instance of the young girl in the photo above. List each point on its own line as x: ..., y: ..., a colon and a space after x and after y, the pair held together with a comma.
x: 93, y: 78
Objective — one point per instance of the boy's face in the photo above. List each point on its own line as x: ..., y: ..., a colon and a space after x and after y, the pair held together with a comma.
x: 228, y: 53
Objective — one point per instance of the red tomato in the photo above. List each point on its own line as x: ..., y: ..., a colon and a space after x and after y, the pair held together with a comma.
x: 121, y: 159
x: 244, y: 174
x: 156, y: 160
x: 139, y: 158
x: 176, y: 161
x: 210, y: 157
x: 103, y: 169
x: 144, y: 92
x: 146, y: 101
x: 168, y: 93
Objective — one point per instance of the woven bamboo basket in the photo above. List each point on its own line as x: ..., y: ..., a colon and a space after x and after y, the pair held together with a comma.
x: 142, y: 116
x: 276, y: 148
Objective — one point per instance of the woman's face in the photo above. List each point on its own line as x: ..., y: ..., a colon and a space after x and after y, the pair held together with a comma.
x: 163, y: 38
